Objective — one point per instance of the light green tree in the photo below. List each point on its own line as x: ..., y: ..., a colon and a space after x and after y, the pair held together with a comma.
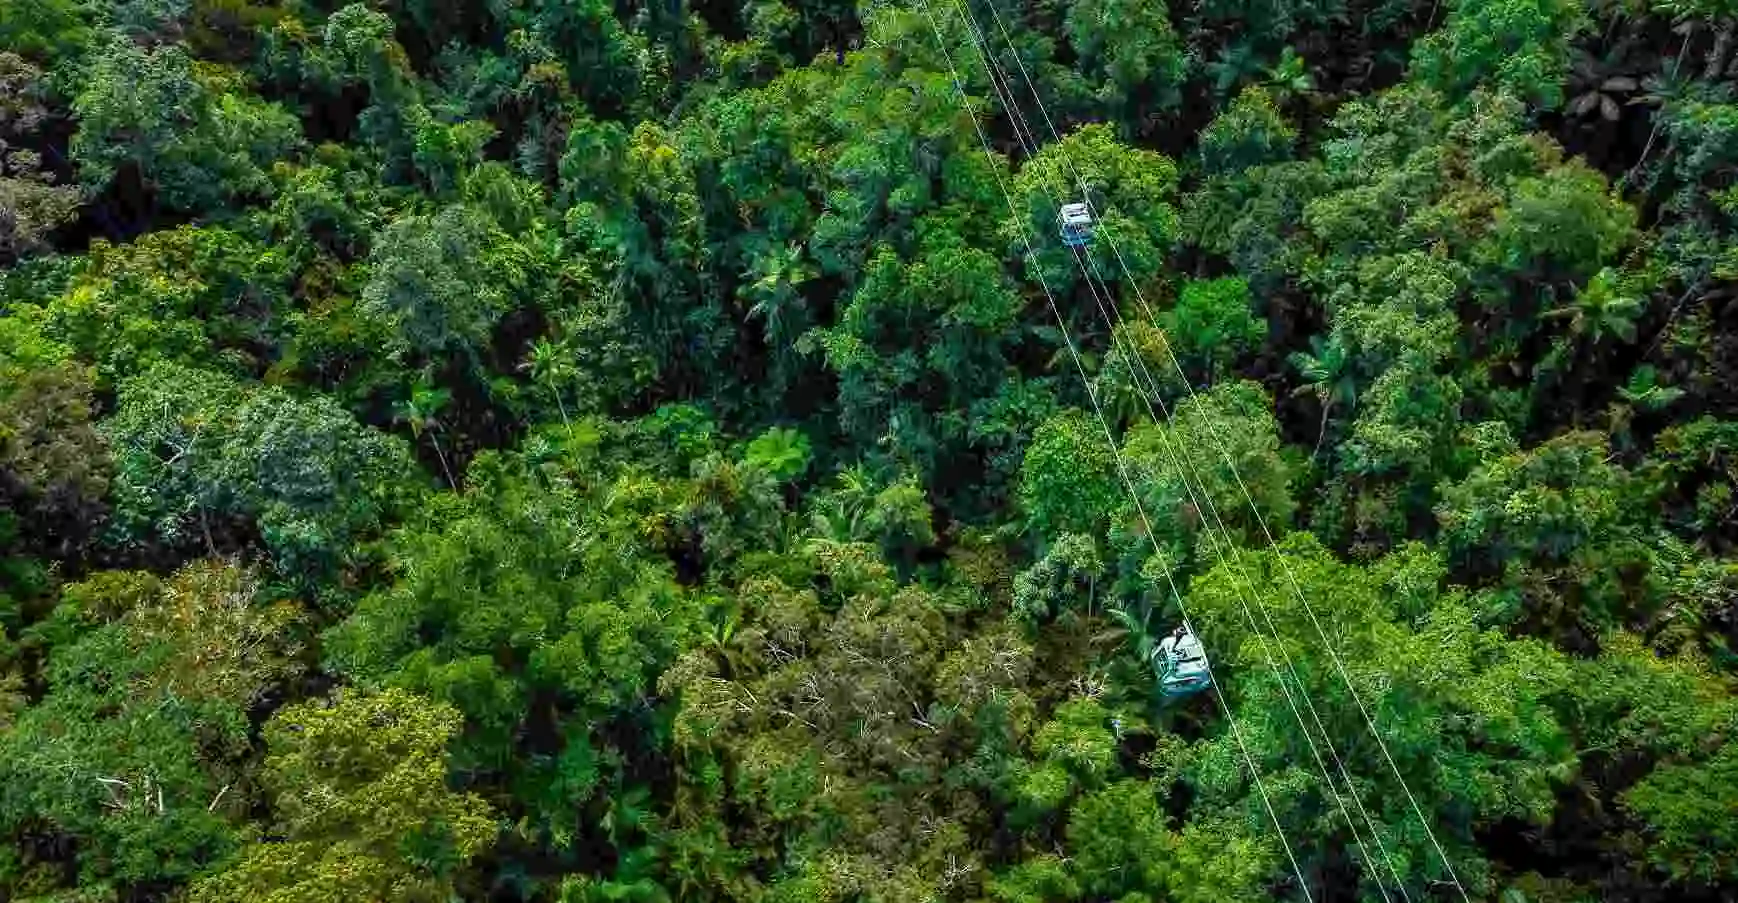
x: 361, y: 808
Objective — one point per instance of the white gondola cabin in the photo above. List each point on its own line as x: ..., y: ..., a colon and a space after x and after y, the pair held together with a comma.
x: 1181, y: 663
x: 1077, y: 225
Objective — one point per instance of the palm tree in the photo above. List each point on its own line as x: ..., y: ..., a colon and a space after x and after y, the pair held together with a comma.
x: 419, y: 411
x: 1136, y: 630
x: 1599, y: 92
x: 840, y: 515
x: 778, y: 300
x: 552, y: 364
x: 1327, y: 372
x: 1601, y: 311
x: 1645, y: 391
x: 1658, y: 91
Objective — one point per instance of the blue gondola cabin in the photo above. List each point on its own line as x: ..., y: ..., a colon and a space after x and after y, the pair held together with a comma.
x: 1181, y: 665
x: 1076, y: 221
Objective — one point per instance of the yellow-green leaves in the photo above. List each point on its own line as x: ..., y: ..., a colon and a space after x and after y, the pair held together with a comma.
x: 781, y: 452
x: 361, y: 808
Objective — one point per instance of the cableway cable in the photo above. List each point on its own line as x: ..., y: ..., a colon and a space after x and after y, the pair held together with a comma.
x: 1116, y: 452
x: 1199, y: 497
x: 1291, y: 577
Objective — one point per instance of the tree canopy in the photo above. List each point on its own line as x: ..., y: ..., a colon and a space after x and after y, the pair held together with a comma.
x: 566, y: 452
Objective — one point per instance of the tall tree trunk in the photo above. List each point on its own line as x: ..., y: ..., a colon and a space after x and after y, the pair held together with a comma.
x: 436, y: 442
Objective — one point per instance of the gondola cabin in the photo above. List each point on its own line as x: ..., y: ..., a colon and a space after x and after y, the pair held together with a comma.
x: 1076, y: 222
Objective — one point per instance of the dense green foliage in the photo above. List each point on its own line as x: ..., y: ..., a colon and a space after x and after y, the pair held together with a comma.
x: 568, y: 451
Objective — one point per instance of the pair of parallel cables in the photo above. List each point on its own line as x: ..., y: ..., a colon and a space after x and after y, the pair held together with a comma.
x: 1147, y: 387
